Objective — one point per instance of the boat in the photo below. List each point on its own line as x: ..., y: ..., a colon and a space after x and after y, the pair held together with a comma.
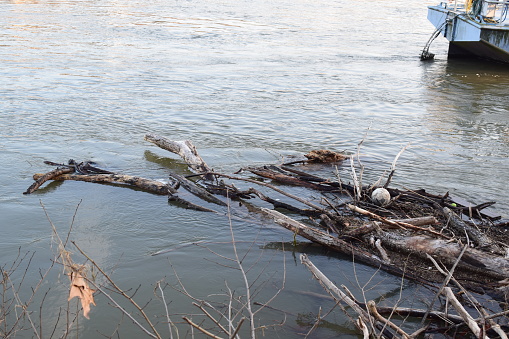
x: 475, y: 28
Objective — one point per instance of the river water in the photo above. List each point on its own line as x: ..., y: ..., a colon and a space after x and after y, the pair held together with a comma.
x: 250, y: 82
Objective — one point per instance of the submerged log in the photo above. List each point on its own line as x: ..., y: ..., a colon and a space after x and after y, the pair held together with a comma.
x: 196, y: 190
x: 337, y: 244
x: 335, y: 292
x: 316, y: 235
x: 188, y: 204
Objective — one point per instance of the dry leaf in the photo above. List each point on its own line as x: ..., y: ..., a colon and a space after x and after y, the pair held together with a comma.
x: 80, y: 289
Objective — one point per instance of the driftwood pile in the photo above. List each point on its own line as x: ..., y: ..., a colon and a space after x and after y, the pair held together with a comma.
x: 432, y: 239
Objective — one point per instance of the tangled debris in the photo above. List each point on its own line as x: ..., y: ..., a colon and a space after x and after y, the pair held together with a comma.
x: 425, y: 237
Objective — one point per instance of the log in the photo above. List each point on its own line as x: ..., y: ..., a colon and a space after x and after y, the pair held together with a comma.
x: 148, y: 185
x: 480, y: 239
x: 368, y: 228
x: 188, y: 204
x: 340, y: 296
x: 42, y: 178
x: 335, y: 292
x: 372, y: 309
x: 420, y: 221
x: 185, y: 149
x: 473, y: 259
x: 289, y: 180
x: 196, y: 190
x: 474, y: 327
x: 392, y: 222
x: 337, y: 244
x: 316, y: 235
x: 280, y: 204
x: 292, y: 196
x: 362, y: 230
x: 313, y: 178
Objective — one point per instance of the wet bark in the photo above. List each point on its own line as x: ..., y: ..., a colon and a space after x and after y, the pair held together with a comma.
x: 148, y: 185
x: 42, y: 178
x: 196, y: 190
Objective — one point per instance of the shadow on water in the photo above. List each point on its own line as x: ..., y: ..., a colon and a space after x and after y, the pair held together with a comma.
x: 315, y: 250
x: 364, y: 282
x: 50, y: 187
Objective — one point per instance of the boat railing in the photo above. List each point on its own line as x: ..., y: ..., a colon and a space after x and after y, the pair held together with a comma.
x: 453, y: 5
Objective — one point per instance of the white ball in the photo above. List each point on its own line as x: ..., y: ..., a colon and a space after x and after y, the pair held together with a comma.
x: 381, y: 197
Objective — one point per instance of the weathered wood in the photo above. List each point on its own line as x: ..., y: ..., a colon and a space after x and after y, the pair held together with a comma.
x: 292, y: 196
x: 477, y: 211
x: 196, y: 190
x: 185, y: 149
x: 372, y: 309
x: 340, y: 296
x: 473, y: 260
x: 392, y: 222
x: 485, y: 316
x: 290, y: 180
x: 280, y: 204
x: 373, y: 226
x: 382, y: 252
x: 337, y: 244
x: 420, y: 221
x: 480, y: 239
x: 331, y: 224
x: 40, y: 180
x: 148, y: 185
x: 334, y: 291
x: 315, y: 235
x: 339, y: 185
x: 474, y: 327
x: 362, y: 230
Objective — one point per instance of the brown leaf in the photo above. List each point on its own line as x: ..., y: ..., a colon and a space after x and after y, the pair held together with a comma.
x: 80, y: 289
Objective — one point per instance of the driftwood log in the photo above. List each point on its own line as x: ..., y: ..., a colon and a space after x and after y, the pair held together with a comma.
x: 185, y: 149
x: 473, y: 260
x: 40, y: 179
x: 152, y: 186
